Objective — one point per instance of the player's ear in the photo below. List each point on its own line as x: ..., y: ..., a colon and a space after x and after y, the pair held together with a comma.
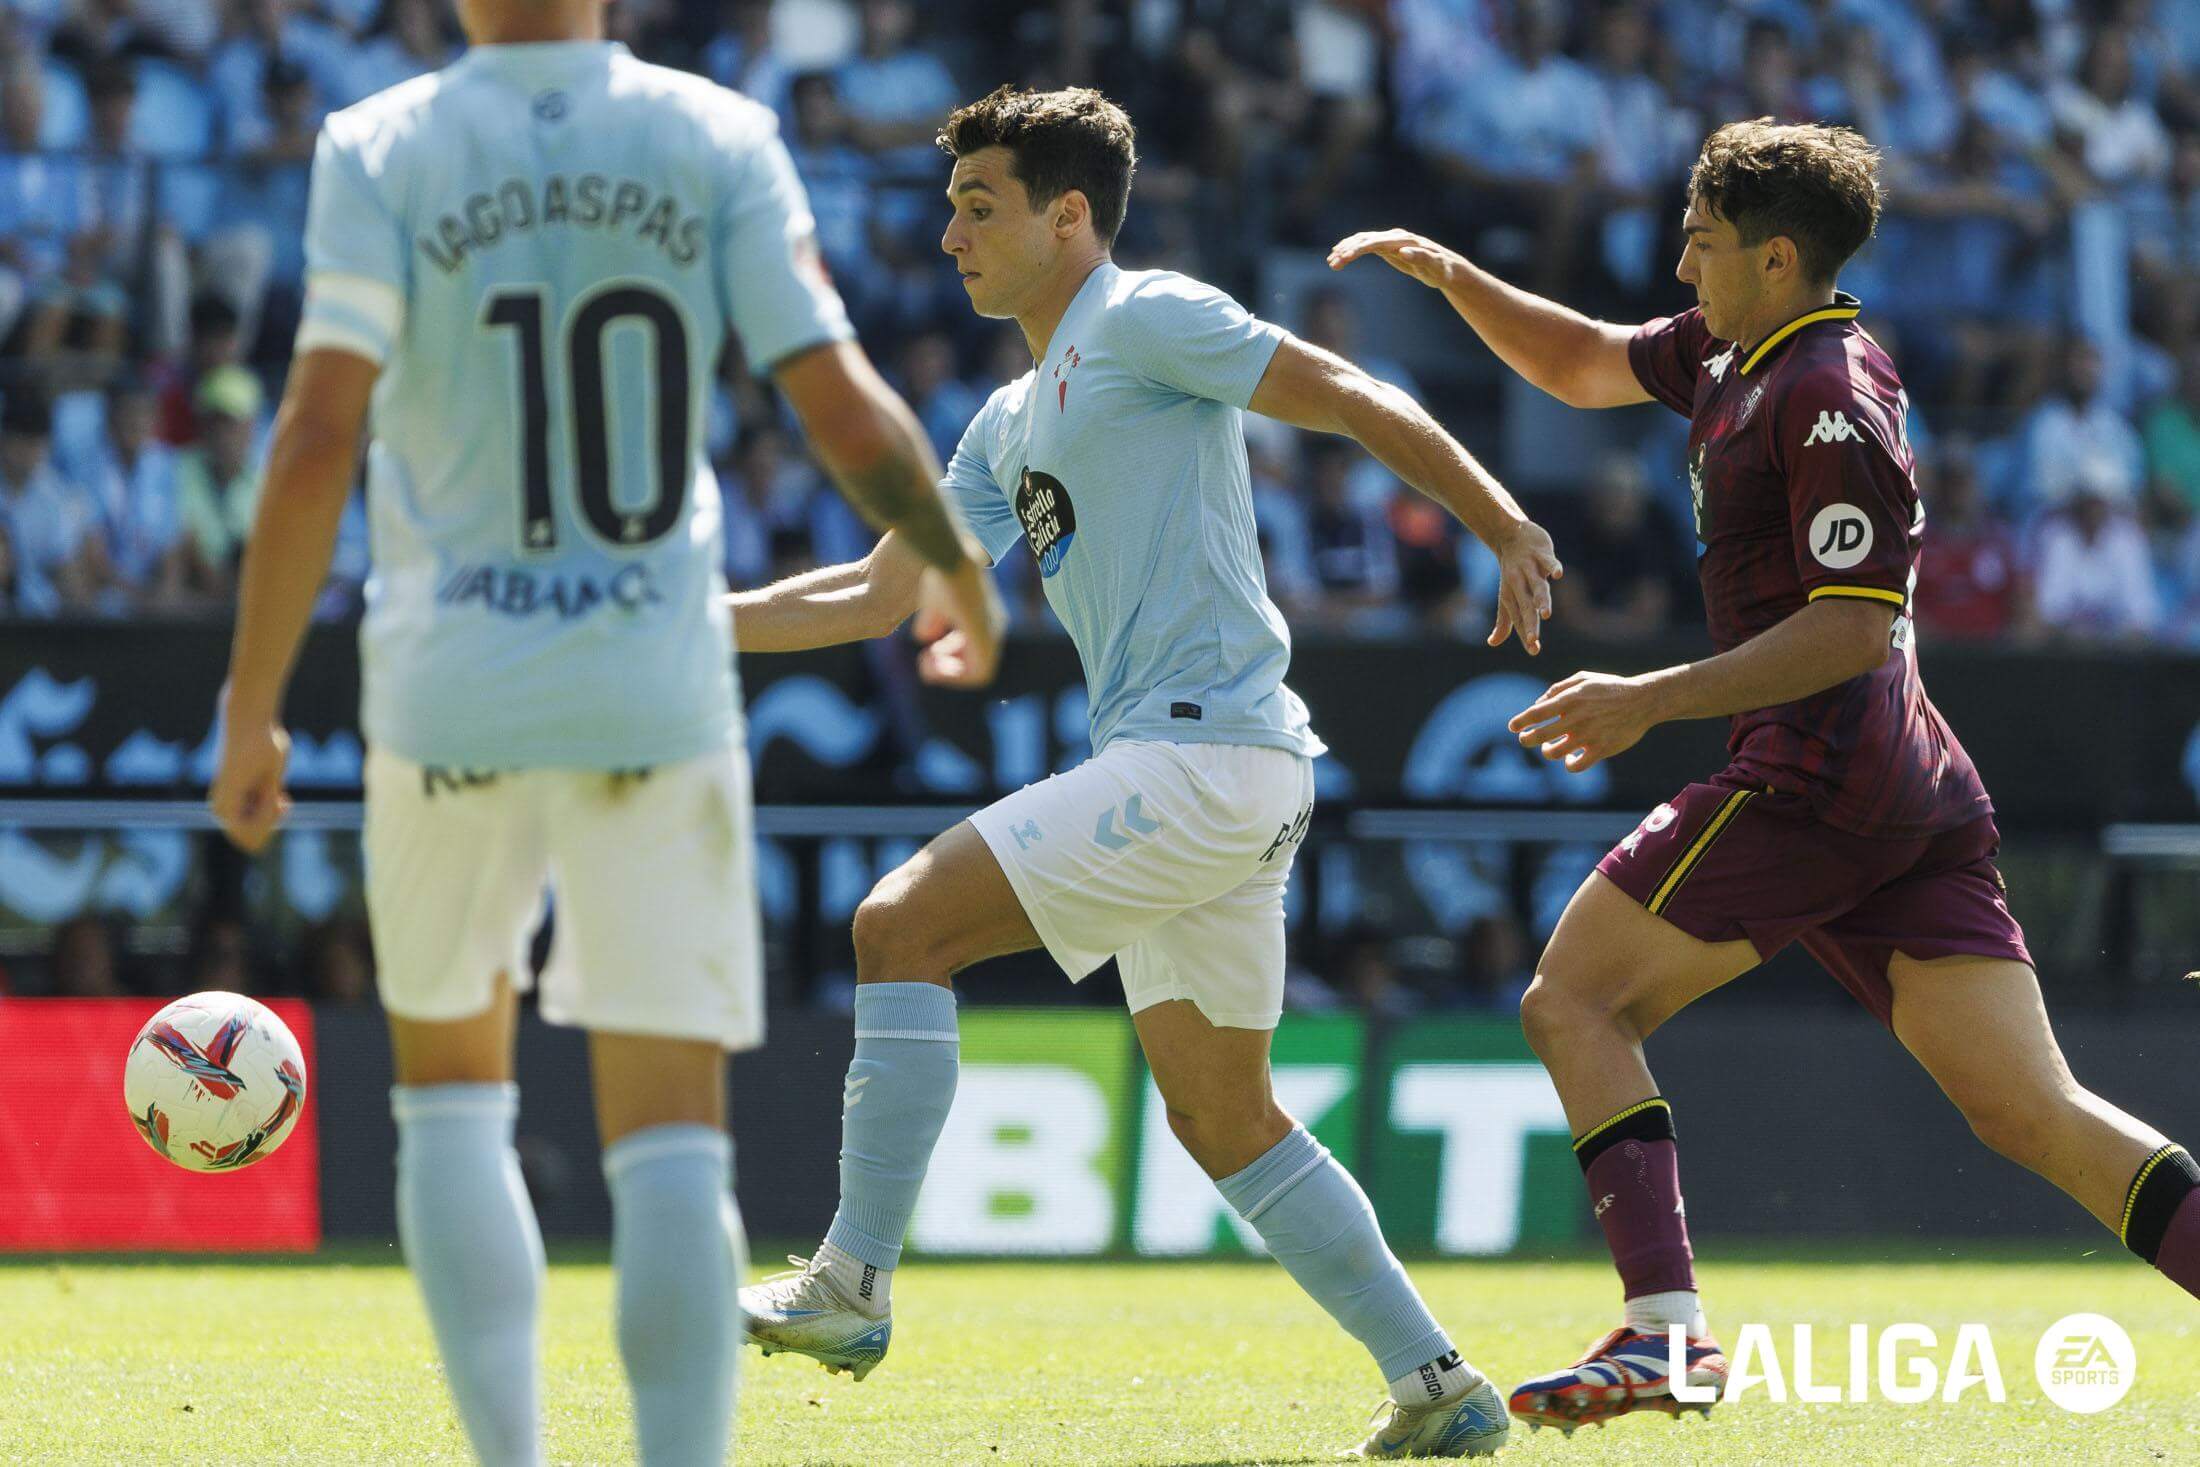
x: 1781, y: 256
x: 1070, y: 210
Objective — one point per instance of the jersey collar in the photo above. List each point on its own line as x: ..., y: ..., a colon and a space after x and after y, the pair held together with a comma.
x: 1844, y: 308
x: 539, y: 58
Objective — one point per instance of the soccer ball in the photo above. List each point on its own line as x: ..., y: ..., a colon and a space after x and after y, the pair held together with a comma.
x: 214, y: 1082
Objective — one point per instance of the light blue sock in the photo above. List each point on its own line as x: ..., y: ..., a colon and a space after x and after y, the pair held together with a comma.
x: 1318, y: 1224
x: 900, y: 1085
x: 469, y: 1233
x: 679, y: 1255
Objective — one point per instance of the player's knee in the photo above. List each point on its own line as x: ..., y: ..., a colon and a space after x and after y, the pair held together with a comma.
x: 1218, y: 1132
x: 892, y: 941
x: 880, y: 938
x: 1549, y: 1012
x: 2020, y: 1132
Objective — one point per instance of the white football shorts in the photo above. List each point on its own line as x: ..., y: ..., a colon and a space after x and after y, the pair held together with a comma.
x: 653, y: 874
x: 1170, y: 858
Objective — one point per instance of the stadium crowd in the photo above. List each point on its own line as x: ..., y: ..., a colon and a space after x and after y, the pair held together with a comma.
x: 2037, y: 275
x: 2037, y: 280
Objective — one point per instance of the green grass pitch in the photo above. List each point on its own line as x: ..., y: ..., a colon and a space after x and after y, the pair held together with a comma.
x: 328, y: 1361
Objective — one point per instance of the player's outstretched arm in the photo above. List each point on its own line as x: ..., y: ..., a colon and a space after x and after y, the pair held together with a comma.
x: 864, y: 599
x: 309, y: 472
x: 876, y: 452
x: 1589, y: 717
x: 1319, y: 391
x: 1582, y: 363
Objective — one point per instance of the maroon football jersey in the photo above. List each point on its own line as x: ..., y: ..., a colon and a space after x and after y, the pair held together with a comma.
x: 1804, y: 485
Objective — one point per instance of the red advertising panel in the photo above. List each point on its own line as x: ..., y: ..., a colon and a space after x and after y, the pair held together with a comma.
x: 74, y: 1173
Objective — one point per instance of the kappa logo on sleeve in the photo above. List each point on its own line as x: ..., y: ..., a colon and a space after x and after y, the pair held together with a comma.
x: 1832, y: 428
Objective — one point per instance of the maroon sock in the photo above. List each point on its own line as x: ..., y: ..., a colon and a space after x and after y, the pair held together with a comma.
x: 1634, y: 1174
x: 2162, y: 1216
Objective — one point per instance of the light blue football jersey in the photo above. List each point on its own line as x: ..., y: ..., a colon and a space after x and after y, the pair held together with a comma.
x: 1121, y: 461
x: 545, y: 246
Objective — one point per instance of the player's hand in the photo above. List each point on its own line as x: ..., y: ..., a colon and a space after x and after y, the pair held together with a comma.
x: 1527, y: 563
x: 247, y: 797
x: 1587, y: 718
x: 961, y: 621
x: 1410, y: 254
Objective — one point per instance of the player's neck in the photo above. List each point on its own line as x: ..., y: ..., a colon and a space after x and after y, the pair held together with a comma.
x: 530, y: 24
x: 1046, y: 313
x: 1778, y: 311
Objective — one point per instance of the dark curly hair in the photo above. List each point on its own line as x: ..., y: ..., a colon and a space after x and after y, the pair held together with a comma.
x: 1071, y: 139
x: 1817, y: 185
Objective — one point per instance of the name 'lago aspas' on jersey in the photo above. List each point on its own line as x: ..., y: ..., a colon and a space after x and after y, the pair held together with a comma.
x: 589, y: 200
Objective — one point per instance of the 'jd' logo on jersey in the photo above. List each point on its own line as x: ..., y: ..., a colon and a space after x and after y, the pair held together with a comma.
x: 1049, y: 520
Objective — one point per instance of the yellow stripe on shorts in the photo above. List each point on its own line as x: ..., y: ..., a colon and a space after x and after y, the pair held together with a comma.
x: 1728, y: 809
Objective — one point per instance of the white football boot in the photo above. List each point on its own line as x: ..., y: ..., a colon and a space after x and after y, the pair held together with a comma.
x: 806, y: 1312
x: 1470, y: 1423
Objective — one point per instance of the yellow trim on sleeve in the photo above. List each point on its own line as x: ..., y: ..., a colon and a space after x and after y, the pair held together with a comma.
x: 1866, y: 593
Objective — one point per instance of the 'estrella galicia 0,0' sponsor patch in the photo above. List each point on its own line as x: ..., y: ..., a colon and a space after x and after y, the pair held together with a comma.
x: 1049, y: 520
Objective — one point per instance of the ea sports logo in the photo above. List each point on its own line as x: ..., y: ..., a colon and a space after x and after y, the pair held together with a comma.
x: 2085, y: 1363
x: 1840, y: 536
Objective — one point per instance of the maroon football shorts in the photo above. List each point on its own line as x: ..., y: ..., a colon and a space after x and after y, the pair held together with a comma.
x: 1732, y: 859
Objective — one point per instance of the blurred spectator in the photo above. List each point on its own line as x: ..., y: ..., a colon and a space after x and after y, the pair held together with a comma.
x: 2096, y: 578
x: 896, y: 95
x: 944, y: 403
x: 838, y: 176
x: 1642, y: 141
x: 2121, y: 139
x: 1332, y: 322
x: 1519, y: 140
x: 1355, y: 562
x: 770, y: 489
x: 218, y: 484
x: 215, y: 341
x: 2165, y: 247
x: 1969, y: 582
x: 219, y: 957
x: 132, y: 484
x: 1367, y: 974
x: 65, y: 315
x: 1495, y: 966
x: 2077, y: 432
x: 1426, y: 541
x: 255, y: 34
x: 45, y: 518
x: 1628, y: 575
x: 2173, y: 445
x: 83, y: 961
x: 741, y: 55
x: 1969, y: 229
x: 409, y: 41
x: 98, y: 31
x: 336, y: 962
